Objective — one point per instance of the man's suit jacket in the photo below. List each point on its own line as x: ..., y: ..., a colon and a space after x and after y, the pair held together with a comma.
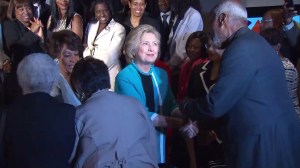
x: 114, y: 131
x: 39, y: 132
x: 293, y: 35
x: 260, y: 124
x: 165, y: 36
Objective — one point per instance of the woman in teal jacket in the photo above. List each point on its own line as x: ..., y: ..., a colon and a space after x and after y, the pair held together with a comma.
x: 149, y: 84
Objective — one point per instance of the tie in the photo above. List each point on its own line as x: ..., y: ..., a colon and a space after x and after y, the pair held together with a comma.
x: 165, y: 23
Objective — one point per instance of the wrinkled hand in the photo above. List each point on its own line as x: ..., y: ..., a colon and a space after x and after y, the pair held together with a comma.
x: 190, y: 129
x: 288, y: 13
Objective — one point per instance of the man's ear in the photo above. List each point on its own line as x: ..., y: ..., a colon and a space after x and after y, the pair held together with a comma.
x: 222, y: 19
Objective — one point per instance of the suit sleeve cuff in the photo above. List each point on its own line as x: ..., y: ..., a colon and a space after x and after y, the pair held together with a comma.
x: 153, y: 116
x: 288, y: 27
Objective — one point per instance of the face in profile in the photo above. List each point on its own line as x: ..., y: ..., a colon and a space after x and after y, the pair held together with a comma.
x: 148, y: 49
x: 266, y: 22
x: 23, y: 13
x: 137, y: 7
x: 164, y: 5
x: 102, y: 13
x: 67, y: 60
x: 62, y: 4
x: 217, y: 32
x: 193, y: 49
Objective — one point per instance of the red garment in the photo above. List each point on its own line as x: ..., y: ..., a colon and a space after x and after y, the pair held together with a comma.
x: 165, y: 67
x: 184, y: 76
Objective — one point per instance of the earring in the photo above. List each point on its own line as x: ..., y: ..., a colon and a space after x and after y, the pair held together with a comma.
x: 56, y: 61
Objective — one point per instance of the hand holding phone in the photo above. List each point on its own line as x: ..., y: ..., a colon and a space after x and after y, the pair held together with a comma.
x: 290, y: 3
x: 288, y: 11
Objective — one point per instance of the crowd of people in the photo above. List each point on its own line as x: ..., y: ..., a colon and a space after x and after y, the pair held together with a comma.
x: 140, y: 83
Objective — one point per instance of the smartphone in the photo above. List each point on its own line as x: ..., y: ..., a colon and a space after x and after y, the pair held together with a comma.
x: 290, y: 3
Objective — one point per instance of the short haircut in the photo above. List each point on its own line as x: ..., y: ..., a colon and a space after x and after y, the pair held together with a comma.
x: 273, y: 36
x: 56, y: 41
x: 231, y: 8
x: 133, y: 40
x: 203, y: 36
x: 37, y: 73
x: 92, y: 9
x: 17, y: 3
x: 89, y: 75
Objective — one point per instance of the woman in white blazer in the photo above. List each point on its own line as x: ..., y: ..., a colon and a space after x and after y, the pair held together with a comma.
x: 105, y: 38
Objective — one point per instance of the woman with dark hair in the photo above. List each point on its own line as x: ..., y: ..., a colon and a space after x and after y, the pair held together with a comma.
x: 196, y: 52
x: 112, y: 130
x: 202, y: 75
x: 66, y: 49
x: 105, y: 38
x: 23, y: 35
x: 64, y: 17
x: 138, y: 16
x: 149, y: 84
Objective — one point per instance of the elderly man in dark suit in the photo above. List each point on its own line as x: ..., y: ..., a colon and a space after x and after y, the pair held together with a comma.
x: 39, y: 131
x: 261, y: 128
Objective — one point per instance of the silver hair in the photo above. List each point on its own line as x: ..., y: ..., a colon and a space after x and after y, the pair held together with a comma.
x: 231, y: 8
x: 37, y: 73
x: 134, y: 38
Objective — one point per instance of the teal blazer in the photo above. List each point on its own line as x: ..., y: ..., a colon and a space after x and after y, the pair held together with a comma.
x: 128, y: 82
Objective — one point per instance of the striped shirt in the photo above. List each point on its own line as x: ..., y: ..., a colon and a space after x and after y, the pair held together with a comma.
x: 291, y: 76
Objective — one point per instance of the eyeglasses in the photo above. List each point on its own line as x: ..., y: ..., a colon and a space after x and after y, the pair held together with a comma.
x: 266, y: 20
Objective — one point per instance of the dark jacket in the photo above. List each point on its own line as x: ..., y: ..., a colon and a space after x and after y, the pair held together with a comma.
x: 146, y: 19
x: 39, y: 132
x: 260, y: 126
x: 19, y: 41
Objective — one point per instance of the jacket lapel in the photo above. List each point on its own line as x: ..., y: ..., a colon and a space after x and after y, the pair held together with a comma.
x: 93, y: 33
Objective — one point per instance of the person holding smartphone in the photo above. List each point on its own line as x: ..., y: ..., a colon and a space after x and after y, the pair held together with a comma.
x: 289, y: 27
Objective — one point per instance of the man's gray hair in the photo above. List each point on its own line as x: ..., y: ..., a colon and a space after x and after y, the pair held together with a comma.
x: 231, y: 8
x: 37, y: 73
